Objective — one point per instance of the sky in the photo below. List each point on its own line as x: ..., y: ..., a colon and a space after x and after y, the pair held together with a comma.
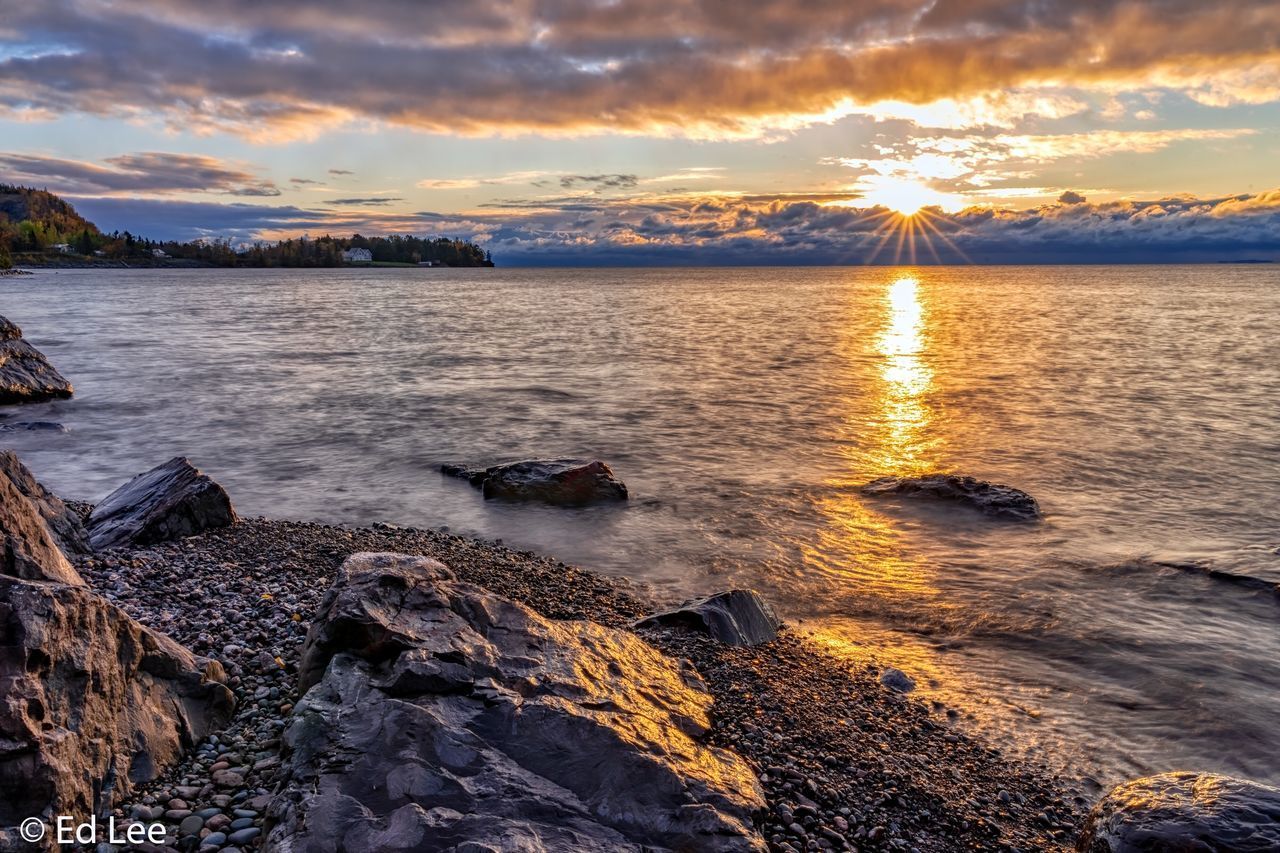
x: 663, y: 131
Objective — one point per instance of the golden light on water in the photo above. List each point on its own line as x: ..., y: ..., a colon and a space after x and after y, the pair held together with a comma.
x: 906, y: 378
x: 857, y: 545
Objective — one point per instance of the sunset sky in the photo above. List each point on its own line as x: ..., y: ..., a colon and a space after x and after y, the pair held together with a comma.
x: 656, y: 131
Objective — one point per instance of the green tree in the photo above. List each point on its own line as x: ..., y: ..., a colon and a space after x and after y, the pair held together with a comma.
x: 6, y: 260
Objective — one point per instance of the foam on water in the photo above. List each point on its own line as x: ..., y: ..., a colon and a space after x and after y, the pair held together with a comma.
x: 745, y: 408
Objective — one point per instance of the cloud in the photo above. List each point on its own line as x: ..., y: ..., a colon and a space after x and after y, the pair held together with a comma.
x: 1071, y: 197
x: 292, y: 68
x: 788, y: 229
x: 303, y: 181
x: 341, y: 172
x: 364, y: 201
x: 598, y: 182
x: 147, y: 172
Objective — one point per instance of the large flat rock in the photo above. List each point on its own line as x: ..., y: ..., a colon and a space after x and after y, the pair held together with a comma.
x: 26, y: 376
x: 992, y: 499
x: 443, y: 717
x: 170, y: 501
x: 92, y: 704
x: 29, y: 548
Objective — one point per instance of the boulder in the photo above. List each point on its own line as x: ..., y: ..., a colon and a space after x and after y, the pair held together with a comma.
x: 440, y: 716
x: 991, y: 499
x: 739, y: 617
x: 1185, y: 813
x: 25, y: 374
x: 65, y: 525
x: 30, y: 550
x: 170, y: 501
x: 563, y: 482
x: 92, y: 704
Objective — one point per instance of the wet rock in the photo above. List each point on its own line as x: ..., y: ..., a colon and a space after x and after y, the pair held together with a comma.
x: 64, y: 523
x: 25, y: 374
x: 29, y: 548
x: 1193, y: 812
x: 896, y: 679
x: 170, y: 501
x: 563, y: 482
x: 997, y: 501
x: 92, y: 704
x: 739, y: 617
x: 33, y: 426
x: 441, y: 714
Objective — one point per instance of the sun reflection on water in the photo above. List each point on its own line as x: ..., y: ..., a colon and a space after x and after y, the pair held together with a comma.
x: 858, y: 546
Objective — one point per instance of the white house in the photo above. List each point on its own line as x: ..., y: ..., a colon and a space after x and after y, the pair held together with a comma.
x: 158, y: 253
x: 357, y: 256
x: 64, y: 248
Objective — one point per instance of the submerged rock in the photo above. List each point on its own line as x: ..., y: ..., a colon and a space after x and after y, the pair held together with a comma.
x: 441, y: 716
x: 564, y: 482
x: 1192, y: 812
x: 170, y: 501
x: 64, y: 523
x: 896, y: 679
x: 991, y: 499
x: 739, y: 617
x: 92, y: 704
x: 25, y: 374
x: 30, y: 548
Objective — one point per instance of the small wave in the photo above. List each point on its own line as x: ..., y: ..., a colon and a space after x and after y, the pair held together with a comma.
x: 1234, y: 578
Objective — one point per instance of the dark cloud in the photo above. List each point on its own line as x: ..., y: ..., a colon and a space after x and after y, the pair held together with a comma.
x: 147, y: 172
x: 1071, y: 197
x: 599, y: 182
x: 364, y: 201
x: 302, y: 181
x: 782, y: 230
x: 341, y: 172
x: 695, y: 66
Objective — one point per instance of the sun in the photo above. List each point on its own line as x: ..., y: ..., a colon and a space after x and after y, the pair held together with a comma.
x: 904, y: 196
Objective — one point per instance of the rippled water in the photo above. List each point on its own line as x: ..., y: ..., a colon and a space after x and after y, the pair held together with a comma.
x: 744, y: 408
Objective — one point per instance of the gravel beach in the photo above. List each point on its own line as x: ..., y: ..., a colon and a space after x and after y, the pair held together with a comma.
x: 846, y: 763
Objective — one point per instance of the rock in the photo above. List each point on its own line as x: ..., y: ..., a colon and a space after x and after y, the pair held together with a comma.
x: 93, y: 704
x: 998, y: 501
x: 440, y: 714
x: 170, y: 501
x: 1192, y: 812
x: 25, y: 374
x: 896, y: 679
x: 739, y: 617
x: 64, y: 524
x: 563, y: 482
x: 33, y: 426
x: 30, y: 550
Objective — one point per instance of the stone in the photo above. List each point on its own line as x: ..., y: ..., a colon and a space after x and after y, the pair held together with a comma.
x: 64, y: 523
x: 26, y: 376
x: 562, y: 482
x: 438, y: 714
x: 170, y: 501
x: 1192, y: 812
x: 30, y: 550
x: 997, y: 501
x: 739, y: 617
x: 93, y: 704
x: 191, y: 824
x: 896, y: 679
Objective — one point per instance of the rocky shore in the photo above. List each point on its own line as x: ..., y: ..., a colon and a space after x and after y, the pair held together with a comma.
x: 203, y: 682
x: 844, y: 762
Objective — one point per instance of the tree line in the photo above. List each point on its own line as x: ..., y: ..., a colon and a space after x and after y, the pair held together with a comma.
x: 38, y: 227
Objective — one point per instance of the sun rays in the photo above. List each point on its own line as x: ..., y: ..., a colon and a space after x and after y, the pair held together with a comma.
x: 909, y: 234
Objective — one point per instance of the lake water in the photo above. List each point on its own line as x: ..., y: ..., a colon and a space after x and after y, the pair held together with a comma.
x: 744, y: 408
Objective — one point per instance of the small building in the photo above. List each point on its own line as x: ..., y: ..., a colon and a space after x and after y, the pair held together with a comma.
x: 158, y: 253
x: 430, y: 263
x: 64, y: 248
x: 357, y: 256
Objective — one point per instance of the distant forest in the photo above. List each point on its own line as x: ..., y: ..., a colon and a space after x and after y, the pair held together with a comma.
x: 39, y: 228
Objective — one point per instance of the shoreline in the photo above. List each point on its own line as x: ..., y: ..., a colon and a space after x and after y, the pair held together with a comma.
x: 844, y: 761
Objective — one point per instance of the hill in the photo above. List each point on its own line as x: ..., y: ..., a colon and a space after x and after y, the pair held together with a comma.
x: 38, y: 228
